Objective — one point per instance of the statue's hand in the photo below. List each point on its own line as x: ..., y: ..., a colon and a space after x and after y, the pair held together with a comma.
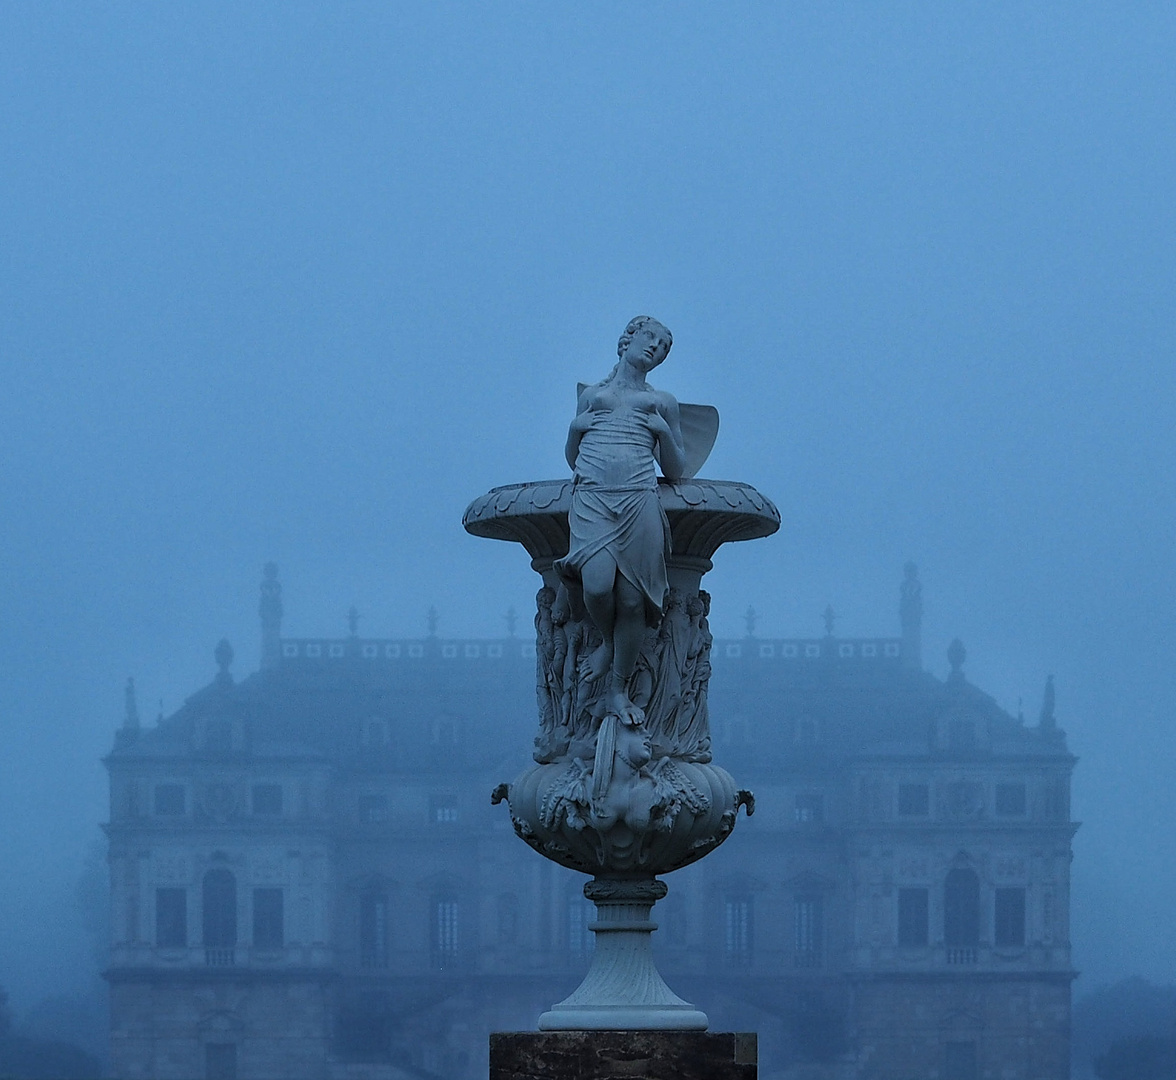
x: 582, y: 422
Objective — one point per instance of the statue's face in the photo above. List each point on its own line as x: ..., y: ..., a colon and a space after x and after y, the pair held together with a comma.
x: 648, y: 347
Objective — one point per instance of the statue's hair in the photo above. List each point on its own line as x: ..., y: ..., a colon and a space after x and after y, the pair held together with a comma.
x: 635, y: 324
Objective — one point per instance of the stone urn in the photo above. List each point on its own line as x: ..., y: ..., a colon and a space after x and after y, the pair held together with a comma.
x: 625, y: 799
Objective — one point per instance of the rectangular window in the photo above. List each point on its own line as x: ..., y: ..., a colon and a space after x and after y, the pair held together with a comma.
x: 445, y: 932
x: 959, y: 1061
x: 443, y: 811
x: 373, y: 808
x: 169, y: 799
x: 171, y: 918
x: 268, y: 929
x: 508, y: 919
x: 373, y: 930
x: 912, y: 916
x: 220, y: 1061
x: 810, y: 807
x: 738, y: 929
x: 914, y: 800
x: 1010, y: 917
x: 1010, y: 800
x: 810, y: 931
x: 580, y: 913
x: 267, y: 799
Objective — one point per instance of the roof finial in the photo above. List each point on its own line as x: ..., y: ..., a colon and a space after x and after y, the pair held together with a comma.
x: 749, y: 617
x: 956, y: 655
x: 512, y: 618
x: 910, y: 614
x: 432, y: 617
x: 131, y: 721
x: 270, y: 610
x: 1048, y: 721
x: 353, y: 621
x: 224, y: 657
x: 830, y: 617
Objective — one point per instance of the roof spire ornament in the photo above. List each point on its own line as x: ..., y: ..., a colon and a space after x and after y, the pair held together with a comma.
x: 830, y: 618
x: 750, y: 617
x: 956, y: 655
x: 353, y: 621
x: 432, y: 618
x: 910, y: 614
x: 223, y: 655
x: 1047, y: 721
x: 270, y: 610
x: 131, y: 720
x: 512, y: 618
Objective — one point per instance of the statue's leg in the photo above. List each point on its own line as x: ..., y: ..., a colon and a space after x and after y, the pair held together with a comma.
x: 598, y: 577
x: 628, y: 626
x: 628, y: 634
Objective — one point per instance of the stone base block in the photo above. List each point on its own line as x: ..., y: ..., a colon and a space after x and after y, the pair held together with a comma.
x: 623, y: 1055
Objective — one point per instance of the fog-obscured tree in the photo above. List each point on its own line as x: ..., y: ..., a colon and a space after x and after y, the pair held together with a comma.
x: 23, y: 1057
x: 1141, y: 1057
x: 1124, y: 1013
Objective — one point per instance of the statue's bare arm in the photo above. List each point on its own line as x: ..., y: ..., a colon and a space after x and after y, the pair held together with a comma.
x: 581, y: 423
x: 671, y: 449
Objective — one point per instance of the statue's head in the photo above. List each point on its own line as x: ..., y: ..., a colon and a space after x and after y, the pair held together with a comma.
x: 645, y: 341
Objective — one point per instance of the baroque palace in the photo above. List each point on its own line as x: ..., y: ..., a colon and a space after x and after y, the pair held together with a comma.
x: 308, y: 879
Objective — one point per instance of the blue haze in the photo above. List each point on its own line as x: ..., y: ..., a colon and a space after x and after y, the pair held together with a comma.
x: 297, y: 281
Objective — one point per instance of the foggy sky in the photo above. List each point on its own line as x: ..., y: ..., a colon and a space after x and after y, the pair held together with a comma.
x: 297, y: 281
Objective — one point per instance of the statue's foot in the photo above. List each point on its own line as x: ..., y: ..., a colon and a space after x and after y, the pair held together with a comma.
x: 617, y: 703
x: 600, y: 662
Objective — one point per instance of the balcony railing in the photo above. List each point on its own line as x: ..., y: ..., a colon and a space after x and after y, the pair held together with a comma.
x: 967, y: 954
x: 220, y: 957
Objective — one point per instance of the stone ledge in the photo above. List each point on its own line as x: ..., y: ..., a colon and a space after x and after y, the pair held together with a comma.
x: 623, y: 1055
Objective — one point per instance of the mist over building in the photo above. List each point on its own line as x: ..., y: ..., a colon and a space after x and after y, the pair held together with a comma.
x: 308, y: 878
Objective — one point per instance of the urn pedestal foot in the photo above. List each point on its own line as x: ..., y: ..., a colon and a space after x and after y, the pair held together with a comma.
x: 623, y: 990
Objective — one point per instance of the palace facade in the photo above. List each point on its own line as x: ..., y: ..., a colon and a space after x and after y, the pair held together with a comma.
x: 308, y: 879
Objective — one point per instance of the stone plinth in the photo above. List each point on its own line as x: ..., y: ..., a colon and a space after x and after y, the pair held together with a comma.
x: 631, y: 1055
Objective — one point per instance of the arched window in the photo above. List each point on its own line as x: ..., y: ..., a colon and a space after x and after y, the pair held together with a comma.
x: 961, y: 915
x: 220, y: 916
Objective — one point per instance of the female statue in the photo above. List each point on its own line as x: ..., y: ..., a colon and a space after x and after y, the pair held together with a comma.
x: 619, y: 534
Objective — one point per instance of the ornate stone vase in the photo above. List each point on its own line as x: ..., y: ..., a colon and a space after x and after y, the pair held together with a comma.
x: 621, y: 799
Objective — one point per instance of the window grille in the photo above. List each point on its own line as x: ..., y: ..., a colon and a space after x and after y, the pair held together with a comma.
x: 445, y: 932
x: 738, y: 930
x: 810, y: 931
